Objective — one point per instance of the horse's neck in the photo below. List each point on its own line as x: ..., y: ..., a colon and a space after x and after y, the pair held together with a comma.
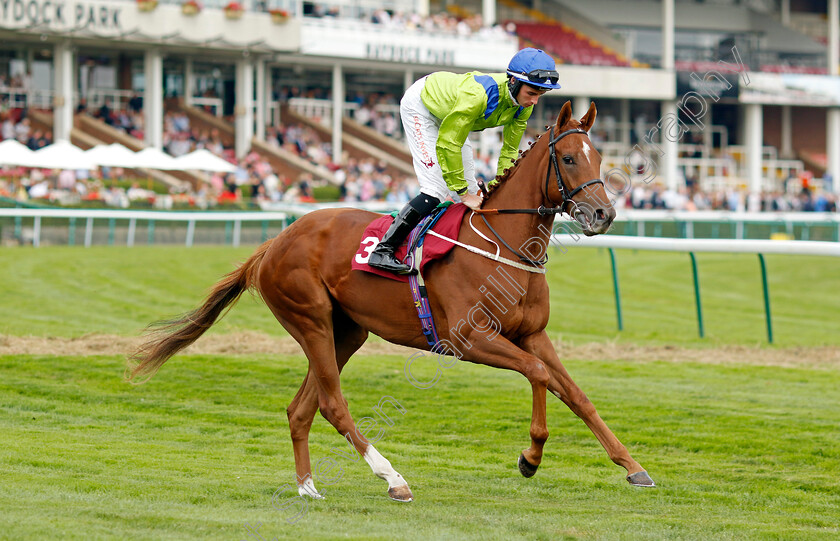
x: 523, y: 189
x: 525, y: 186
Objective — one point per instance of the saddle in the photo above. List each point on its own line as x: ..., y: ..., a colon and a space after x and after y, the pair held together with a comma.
x: 445, y: 220
x: 417, y: 252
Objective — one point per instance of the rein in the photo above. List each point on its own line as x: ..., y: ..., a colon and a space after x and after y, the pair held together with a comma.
x: 542, y: 210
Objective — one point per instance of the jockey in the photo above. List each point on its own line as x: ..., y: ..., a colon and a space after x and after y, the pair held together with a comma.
x: 438, y: 113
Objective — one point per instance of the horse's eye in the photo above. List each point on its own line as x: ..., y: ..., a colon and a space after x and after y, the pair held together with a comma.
x: 568, y: 160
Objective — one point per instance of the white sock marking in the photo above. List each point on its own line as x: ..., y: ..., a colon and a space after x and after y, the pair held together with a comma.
x: 308, y: 489
x: 382, y: 468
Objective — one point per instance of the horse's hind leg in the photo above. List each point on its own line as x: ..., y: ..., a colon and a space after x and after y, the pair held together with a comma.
x: 348, y: 337
x: 312, y: 327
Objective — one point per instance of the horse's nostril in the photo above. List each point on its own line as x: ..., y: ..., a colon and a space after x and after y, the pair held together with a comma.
x: 600, y: 215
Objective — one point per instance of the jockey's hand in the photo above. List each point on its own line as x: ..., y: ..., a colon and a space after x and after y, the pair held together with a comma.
x: 472, y: 200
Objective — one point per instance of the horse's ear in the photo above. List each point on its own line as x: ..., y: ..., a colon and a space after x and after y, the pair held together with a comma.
x: 564, y: 116
x: 589, y: 118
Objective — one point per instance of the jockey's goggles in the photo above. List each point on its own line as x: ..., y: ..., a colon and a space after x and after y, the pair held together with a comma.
x: 543, y: 76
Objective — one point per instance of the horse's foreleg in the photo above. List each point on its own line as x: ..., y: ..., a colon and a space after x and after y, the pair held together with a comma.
x: 564, y: 388
x: 501, y: 353
x: 532, y: 456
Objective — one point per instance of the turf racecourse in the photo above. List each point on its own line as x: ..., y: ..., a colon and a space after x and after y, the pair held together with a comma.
x: 738, y: 450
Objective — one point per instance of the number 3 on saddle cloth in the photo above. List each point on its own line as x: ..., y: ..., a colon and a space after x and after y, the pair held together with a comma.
x: 444, y: 220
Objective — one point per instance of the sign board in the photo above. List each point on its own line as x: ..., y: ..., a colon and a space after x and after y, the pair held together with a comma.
x: 790, y: 89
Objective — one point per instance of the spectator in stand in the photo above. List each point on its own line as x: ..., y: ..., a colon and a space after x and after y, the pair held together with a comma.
x: 179, y: 144
x: 104, y: 114
x: 135, y: 103
x: 8, y: 128
x: 22, y: 131
x: 37, y: 141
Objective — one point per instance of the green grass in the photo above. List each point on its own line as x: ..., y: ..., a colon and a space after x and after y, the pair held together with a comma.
x: 66, y: 291
x: 737, y: 451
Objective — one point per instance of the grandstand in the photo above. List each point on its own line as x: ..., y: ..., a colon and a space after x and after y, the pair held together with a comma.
x: 765, y: 120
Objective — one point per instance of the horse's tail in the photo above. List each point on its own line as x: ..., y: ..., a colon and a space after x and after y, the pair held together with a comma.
x: 166, y: 338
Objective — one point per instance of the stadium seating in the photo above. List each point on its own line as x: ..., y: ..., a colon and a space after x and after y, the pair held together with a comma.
x: 567, y: 44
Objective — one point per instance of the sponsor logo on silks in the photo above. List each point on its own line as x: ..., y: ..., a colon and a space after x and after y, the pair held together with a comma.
x: 418, y: 137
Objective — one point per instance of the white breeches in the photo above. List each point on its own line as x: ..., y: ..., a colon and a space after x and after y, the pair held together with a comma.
x: 421, y: 132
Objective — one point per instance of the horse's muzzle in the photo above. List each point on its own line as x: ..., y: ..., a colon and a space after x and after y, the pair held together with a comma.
x: 595, y: 221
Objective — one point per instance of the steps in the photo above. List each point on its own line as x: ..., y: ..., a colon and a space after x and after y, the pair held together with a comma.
x: 283, y: 162
x: 372, y: 137
x: 361, y: 148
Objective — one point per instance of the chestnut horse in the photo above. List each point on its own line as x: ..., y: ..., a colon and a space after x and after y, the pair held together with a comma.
x: 304, y: 277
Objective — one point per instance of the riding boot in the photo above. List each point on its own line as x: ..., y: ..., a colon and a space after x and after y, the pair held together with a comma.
x: 383, y: 257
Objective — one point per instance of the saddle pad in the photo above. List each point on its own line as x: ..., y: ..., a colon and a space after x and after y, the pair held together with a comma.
x: 433, y: 247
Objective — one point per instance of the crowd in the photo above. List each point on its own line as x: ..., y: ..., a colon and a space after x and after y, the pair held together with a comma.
x: 438, y: 23
x: 656, y: 196
x: 15, y: 125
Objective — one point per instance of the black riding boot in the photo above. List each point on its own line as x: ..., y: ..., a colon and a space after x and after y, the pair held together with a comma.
x: 383, y: 257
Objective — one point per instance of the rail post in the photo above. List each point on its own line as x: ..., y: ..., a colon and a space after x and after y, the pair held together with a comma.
x: 766, y: 289
x: 697, y: 294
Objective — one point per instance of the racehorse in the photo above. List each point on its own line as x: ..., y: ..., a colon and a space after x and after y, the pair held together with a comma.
x: 304, y: 276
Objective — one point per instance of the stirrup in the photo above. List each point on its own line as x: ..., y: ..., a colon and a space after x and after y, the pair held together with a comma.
x: 389, y: 262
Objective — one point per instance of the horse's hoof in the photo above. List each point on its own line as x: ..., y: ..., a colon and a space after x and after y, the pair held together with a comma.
x: 401, y: 494
x: 526, y: 468
x: 640, y: 479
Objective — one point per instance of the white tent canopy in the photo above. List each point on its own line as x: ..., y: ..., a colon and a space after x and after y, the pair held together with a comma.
x: 153, y: 158
x: 15, y: 153
x: 204, y: 160
x: 62, y: 155
x: 113, y: 155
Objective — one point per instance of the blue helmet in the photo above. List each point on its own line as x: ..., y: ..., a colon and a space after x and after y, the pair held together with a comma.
x: 533, y: 67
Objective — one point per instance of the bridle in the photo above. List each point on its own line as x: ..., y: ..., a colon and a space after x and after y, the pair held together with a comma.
x: 565, y: 192
x: 542, y: 210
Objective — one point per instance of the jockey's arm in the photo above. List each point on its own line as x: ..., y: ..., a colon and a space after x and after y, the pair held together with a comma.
x: 512, y: 136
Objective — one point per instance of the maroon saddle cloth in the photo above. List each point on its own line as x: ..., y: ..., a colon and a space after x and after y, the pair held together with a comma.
x: 433, y: 247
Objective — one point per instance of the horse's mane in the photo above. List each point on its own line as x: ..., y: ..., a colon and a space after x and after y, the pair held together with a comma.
x: 500, y: 179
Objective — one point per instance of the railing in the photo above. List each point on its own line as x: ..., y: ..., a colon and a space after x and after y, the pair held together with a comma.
x: 717, y: 224
x: 759, y: 247
x: 321, y: 110
x: 125, y: 223
x: 714, y: 224
x: 115, y: 99
x: 18, y: 98
x: 214, y: 104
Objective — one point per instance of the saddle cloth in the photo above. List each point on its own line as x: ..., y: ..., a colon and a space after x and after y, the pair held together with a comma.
x: 433, y: 247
